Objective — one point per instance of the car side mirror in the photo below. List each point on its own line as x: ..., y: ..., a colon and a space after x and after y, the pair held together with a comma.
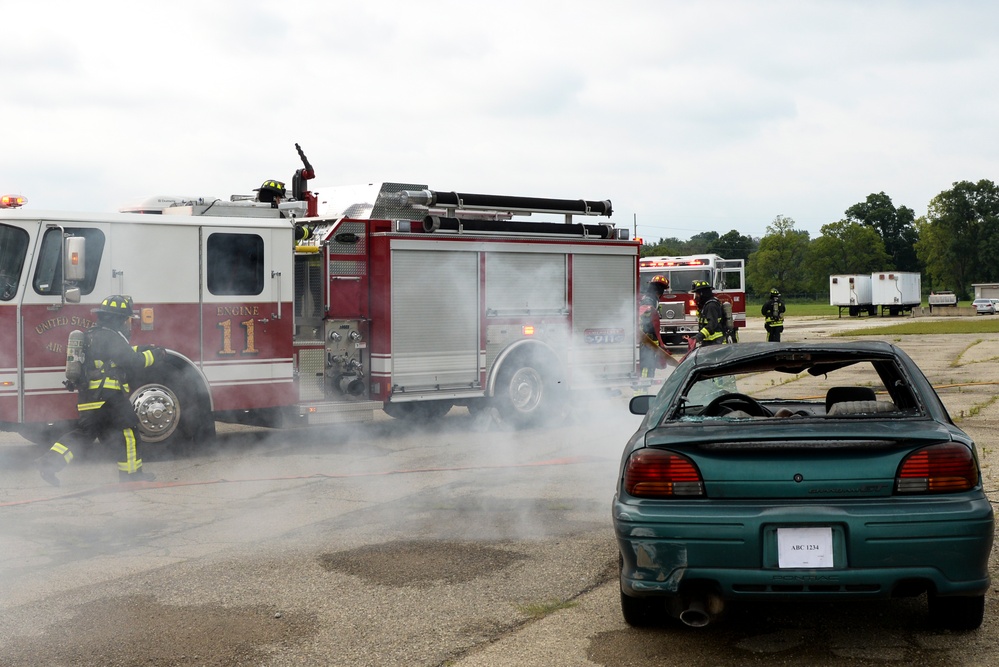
x: 639, y: 405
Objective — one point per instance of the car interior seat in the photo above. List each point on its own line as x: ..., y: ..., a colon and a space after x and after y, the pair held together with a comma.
x: 848, y: 394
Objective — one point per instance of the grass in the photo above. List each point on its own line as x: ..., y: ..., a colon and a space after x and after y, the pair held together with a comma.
x: 800, y: 308
x: 955, y: 325
x: 884, y: 326
x: 541, y: 609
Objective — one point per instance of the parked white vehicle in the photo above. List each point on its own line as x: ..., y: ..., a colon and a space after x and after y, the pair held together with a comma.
x: 986, y: 306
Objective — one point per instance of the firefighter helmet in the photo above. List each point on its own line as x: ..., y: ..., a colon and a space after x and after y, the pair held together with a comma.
x: 700, y: 285
x: 774, y: 292
x: 269, y: 189
x: 660, y: 280
x: 117, y: 304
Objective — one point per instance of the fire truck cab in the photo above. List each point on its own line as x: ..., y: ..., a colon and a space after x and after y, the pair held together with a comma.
x: 323, y: 309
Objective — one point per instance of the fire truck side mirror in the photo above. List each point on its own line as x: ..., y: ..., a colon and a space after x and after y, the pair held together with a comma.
x: 73, y: 295
x: 74, y: 263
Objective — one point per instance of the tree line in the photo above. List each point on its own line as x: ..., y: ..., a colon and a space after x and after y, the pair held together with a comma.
x: 953, y: 246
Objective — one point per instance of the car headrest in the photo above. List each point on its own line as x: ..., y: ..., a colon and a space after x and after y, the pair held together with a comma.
x: 840, y: 394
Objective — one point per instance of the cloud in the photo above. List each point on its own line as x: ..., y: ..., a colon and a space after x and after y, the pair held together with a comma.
x: 690, y: 116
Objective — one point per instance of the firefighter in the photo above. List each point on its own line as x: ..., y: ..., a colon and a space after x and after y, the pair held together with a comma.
x: 773, y: 313
x: 710, y: 315
x: 649, y: 321
x: 106, y: 414
x: 271, y: 191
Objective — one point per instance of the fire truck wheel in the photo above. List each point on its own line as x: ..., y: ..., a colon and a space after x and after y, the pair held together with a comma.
x: 526, y: 391
x: 419, y: 411
x: 170, y: 411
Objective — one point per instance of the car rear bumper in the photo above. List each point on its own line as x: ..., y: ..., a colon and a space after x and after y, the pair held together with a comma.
x: 882, y: 548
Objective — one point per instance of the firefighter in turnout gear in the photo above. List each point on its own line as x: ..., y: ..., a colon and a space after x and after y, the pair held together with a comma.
x: 110, y: 363
x: 652, y: 347
x: 773, y: 313
x: 710, y: 315
x: 271, y: 191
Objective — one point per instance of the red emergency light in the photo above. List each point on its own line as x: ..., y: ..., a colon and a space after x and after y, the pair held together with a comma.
x: 671, y: 262
x: 12, y: 201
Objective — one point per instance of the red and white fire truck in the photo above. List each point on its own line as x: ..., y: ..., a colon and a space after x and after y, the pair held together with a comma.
x: 402, y: 299
x: 677, y: 309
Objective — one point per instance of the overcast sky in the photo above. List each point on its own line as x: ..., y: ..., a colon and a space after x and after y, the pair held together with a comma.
x: 689, y: 116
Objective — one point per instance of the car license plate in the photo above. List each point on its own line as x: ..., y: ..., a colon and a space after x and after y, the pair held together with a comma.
x: 810, y: 547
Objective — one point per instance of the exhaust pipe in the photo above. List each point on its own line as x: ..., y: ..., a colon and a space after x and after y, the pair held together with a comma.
x: 702, y: 611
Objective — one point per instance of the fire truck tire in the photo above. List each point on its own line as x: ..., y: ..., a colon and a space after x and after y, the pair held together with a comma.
x: 418, y: 411
x: 527, y: 392
x: 172, y: 412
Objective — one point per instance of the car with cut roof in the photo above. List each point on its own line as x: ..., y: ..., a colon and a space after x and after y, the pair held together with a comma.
x: 799, y: 472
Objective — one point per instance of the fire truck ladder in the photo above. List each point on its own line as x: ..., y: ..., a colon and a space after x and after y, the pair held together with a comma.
x: 454, y: 204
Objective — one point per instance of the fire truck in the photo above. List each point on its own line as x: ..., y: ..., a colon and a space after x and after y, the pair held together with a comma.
x: 677, y: 309
x: 323, y: 308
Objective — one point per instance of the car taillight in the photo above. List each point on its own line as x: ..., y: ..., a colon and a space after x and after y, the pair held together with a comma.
x: 653, y: 473
x: 946, y: 468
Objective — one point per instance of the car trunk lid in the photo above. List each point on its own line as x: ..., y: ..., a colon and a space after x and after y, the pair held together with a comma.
x: 814, y: 461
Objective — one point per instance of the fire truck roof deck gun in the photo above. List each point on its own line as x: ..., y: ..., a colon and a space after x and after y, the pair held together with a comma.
x: 323, y: 306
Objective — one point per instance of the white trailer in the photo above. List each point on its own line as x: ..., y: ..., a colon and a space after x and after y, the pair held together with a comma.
x: 853, y: 292
x: 896, y: 292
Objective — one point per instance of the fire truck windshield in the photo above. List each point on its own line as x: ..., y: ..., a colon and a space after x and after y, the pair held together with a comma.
x: 680, y: 278
x: 13, y: 249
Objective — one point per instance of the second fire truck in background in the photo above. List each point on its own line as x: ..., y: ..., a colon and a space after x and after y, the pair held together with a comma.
x: 677, y: 309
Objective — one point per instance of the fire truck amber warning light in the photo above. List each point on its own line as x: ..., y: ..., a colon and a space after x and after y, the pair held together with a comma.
x: 12, y: 201
x: 528, y: 330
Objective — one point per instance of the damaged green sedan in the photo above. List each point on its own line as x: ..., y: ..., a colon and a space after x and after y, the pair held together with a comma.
x: 793, y: 472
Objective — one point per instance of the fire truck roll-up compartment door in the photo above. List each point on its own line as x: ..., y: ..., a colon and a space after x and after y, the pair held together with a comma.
x: 525, y: 289
x: 604, y: 318
x: 435, y: 321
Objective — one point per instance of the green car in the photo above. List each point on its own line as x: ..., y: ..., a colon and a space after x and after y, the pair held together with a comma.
x: 786, y: 471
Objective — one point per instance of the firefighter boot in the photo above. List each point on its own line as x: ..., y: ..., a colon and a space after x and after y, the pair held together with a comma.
x: 53, y: 461
x: 138, y: 476
x: 48, y: 466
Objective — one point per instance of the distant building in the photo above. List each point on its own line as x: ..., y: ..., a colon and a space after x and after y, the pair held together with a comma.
x: 986, y: 290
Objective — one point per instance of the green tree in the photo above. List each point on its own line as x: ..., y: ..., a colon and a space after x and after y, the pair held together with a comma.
x: 733, y: 245
x: 671, y: 247
x: 699, y: 244
x: 959, y: 238
x: 895, y: 226
x: 844, y: 247
x: 780, y: 260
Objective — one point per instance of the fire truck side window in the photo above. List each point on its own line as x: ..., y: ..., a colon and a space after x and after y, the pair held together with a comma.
x: 48, y: 272
x: 235, y: 264
x: 13, y: 248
